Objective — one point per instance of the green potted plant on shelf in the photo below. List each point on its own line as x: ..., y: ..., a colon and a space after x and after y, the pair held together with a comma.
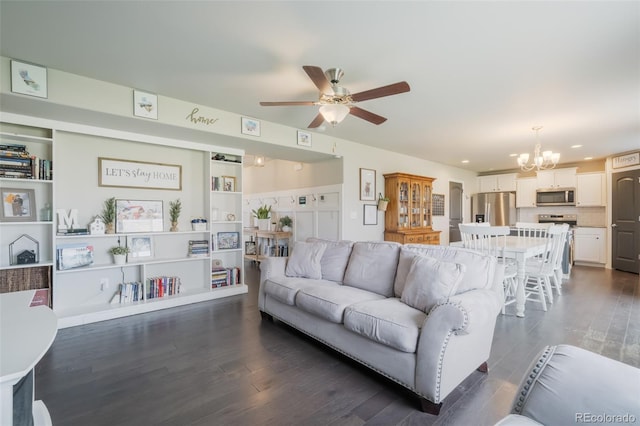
x: 285, y: 223
x: 109, y: 214
x: 175, y: 208
x: 262, y: 215
x: 382, y: 202
x: 119, y: 254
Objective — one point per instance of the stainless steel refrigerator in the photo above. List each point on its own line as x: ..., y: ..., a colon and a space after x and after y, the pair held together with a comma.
x: 497, y: 208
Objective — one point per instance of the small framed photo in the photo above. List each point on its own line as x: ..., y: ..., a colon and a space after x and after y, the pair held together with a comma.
x: 304, y: 138
x: 370, y: 215
x: 228, y: 240
x: 138, y: 216
x: 250, y: 248
x: 140, y: 246
x: 229, y: 183
x: 367, y: 185
x: 18, y: 205
x: 250, y: 126
x: 145, y: 105
x: 28, y: 79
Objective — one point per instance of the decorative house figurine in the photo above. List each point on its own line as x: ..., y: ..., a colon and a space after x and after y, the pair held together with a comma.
x: 97, y: 227
x: 29, y: 249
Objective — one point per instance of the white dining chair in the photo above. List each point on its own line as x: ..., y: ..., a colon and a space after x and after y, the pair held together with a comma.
x: 492, y: 240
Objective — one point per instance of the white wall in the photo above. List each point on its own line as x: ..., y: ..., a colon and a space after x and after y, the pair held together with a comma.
x: 277, y: 175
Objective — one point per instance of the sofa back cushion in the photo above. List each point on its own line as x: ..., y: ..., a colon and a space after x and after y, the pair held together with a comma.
x: 480, y: 268
x: 372, y: 266
x: 431, y: 281
x: 304, y: 261
x: 335, y: 258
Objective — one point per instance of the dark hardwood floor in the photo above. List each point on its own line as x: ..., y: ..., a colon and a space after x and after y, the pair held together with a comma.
x: 218, y: 363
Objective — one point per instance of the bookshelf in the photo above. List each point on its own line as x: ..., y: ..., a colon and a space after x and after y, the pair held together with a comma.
x: 268, y: 244
x: 89, y: 293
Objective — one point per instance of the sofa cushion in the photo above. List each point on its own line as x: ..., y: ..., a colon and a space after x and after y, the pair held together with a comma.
x: 386, y: 321
x: 430, y: 281
x: 330, y: 302
x: 285, y: 289
x: 304, y: 261
x: 335, y: 258
x: 480, y: 272
x: 372, y: 266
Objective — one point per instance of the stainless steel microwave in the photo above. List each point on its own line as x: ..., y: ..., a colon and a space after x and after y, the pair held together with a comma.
x: 556, y: 197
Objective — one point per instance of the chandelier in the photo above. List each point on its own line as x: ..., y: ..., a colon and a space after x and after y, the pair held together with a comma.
x: 541, y: 161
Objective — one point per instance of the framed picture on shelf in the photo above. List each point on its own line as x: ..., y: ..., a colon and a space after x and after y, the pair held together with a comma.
x: 145, y: 104
x: 304, y: 138
x: 228, y: 183
x: 228, y: 240
x: 140, y: 246
x: 367, y: 185
x: 250, y: 126
x: 250, y: 247
x: 18, y: 205
x: 28, y: 79
x: 370, y: 215
x: 138, y: 216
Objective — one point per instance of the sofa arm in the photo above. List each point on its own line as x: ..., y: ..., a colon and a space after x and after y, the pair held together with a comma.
x: 270, y: 267
x: 469, y: 318
x: 568, y: 385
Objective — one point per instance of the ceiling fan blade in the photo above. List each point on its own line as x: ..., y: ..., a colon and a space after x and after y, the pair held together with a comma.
x: 319, y: 79
x: 289, y: 103
x: 316, y: 121
x: 367, y: 115
x: 392, y: 89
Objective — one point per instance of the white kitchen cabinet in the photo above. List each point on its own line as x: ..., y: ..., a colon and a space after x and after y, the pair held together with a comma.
x: 589, y: 245
x: 497, y: 183
x: 526, y: 192
x: 557, y: 178
x: 590, y: 190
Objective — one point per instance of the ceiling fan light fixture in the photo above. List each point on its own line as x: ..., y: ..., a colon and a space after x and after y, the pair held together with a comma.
x: 334, y: 113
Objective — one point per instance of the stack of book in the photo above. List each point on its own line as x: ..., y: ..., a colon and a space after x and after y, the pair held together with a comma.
x: 15, y: 162
x: 198, y: 248
x: 131, y: 292
x: 221, y: 277
x: 69, y: 256
x: 161, y: 286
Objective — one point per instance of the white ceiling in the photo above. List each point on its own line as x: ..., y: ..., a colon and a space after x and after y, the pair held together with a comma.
x: 482, y: 74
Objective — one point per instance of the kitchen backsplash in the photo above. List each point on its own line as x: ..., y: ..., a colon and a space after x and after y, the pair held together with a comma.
x: 587, y: 216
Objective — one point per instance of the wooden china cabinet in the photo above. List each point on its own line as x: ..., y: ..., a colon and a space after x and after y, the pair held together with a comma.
x: 408, y: 216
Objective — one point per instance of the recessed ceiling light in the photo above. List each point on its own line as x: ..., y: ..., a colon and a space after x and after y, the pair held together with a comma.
x: 576, y: 146
x: 513, y: 155
x: 465, y: 161
x: 588, y: 158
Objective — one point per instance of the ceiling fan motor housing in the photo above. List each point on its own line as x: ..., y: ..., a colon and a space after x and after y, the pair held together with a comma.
x: 334, y: 75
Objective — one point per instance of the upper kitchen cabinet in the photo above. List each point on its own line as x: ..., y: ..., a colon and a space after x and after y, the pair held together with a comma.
x: 526, y: 192
x: 497, y: 183
x: 557, y: 178
x: 591, y: 190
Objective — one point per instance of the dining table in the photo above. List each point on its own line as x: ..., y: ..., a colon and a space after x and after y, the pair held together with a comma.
x: 520, y: 249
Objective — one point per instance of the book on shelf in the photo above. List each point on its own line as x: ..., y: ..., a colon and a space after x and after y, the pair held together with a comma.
x: 69, y: 256
x: 40, y: 298
x: 75, y: 231
x: 198, y: 248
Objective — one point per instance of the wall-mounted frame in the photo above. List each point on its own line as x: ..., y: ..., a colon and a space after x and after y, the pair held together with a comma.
x: 228, y: 240
x: 370, y: 214
x: 138, y: 216
x: 229, y: 183
x: 28, y: 79
x: 18, y: 205
x: 145, y: 104
x: 367, y: 185
x: 140, y: 246
x: 437, y: 204
x: 304, y: 138
x: 114, y: 172
x: 250, y: 126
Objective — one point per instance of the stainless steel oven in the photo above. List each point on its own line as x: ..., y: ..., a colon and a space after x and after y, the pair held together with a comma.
x: 572, y: 220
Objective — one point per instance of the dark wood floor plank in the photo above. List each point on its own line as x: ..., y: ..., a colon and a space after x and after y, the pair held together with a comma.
x: 219, y: 363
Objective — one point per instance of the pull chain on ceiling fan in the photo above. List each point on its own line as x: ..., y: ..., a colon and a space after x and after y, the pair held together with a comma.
x: 336, y: 102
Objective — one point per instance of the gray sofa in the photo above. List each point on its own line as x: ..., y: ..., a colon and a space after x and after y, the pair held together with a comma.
x: 423, y: 316
x: 566, y: 385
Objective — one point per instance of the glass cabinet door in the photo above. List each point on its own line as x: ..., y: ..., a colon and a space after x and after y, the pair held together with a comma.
x: 416, y: 201
x: 403, y: 204
x: 426, y: 205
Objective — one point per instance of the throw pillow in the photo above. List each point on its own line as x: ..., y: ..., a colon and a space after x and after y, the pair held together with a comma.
x: 430, y: 281
x: 304, y: 261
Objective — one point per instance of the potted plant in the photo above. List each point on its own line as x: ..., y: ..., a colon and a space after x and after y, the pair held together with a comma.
x: 109, y: 215
x: 285, y: 223
x: 262, y: 215
x: 119, y: 254
x: 175, y: 207
x: 382, y: 203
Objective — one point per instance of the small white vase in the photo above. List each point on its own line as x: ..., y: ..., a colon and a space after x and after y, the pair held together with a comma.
x: 263, y: 224
x: 120, y: 259
x: 286, y: 229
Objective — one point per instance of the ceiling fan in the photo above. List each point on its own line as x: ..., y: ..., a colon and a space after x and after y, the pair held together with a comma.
x: 336, y: 102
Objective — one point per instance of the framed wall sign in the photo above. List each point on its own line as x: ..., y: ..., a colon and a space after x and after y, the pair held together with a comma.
x: 138, y: 216
x: 28, y: 79
x: 626, y: 160
x: 250, y: 126
x: 139, y: 174
x: 18, y: 205
x: 370, y: 214
x: 367, y: 185
x: 304, y: 138
x: 145, y: 104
